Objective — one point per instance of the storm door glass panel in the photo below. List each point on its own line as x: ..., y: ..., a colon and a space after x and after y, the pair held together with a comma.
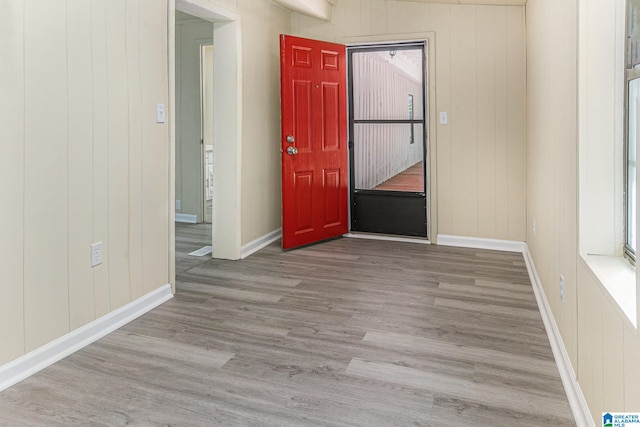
x: 388, y: 120
x: 385, y: 159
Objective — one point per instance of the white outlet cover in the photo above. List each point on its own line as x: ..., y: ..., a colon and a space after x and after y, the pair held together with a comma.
x: 444, y: 117
x: 96, y: 254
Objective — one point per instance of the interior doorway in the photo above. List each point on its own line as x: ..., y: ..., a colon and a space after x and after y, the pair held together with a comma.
x: 194, y: 120
x: 206, y: 109
x: 224, y: 28
x: 388, y: 138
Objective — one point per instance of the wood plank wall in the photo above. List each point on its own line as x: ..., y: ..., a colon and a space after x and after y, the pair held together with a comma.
x: 480, y: 81
x: 571, y: 76
x: 381, y: 92
x: 82, y: 161
x: 262, y: 23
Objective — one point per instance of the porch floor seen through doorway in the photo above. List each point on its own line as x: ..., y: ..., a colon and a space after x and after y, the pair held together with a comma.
x: 410, y: 179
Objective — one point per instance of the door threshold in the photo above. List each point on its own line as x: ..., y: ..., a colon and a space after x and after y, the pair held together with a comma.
x: 388, y: 237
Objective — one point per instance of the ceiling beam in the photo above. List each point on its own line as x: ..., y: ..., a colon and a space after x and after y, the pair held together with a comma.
x: 321, y: 9
x: 480, y: 2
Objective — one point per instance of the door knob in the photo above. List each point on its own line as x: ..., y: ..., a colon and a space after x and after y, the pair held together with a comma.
x: 292, y: 150
x: 291, y: 139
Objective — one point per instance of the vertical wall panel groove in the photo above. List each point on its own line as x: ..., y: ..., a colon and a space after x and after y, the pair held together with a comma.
x: 516, y: 78
x: 46, y: 173
x: 135, y: 166
x: 155, y: 144
x: 100, y: 141
x: 119, y: 232
x: 442, y: 27
x: 12, y: 190
x: 502, y: 134
x: 486, y: 21
x: 80, y: 161
x: 260, y: 181
x: 464, y: 121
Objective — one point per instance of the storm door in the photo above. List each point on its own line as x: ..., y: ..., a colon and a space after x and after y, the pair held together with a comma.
x: 387, y: 131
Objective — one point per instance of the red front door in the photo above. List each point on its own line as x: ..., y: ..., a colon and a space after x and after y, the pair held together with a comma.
x: 313, y: 141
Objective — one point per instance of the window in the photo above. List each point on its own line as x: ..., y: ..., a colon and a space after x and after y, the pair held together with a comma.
x: 609, y: 35
x: 632, y: 98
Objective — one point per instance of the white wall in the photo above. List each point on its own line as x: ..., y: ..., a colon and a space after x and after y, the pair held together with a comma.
x: 190, y: 35
x: 552, y: 148
x: 262, y: 23
x: 571, y: 110
x: 83, y: 161
x: 480, y: 82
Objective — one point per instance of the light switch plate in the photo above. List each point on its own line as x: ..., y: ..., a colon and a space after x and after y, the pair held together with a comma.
x: 160, y: 116
x: 444, y: 117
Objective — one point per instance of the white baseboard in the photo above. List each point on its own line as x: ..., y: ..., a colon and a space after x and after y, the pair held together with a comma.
x: 259, y: 243
x: 186, y: 218
x: 479, y: 243
x: 576, y: 398
x: 38, y: 359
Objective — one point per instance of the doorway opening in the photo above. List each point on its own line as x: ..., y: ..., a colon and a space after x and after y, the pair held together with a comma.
x: 388, y: 138
x: 223, y: 26
x: 194, y: 140
x: 206, y: 110
x: 194, y: 117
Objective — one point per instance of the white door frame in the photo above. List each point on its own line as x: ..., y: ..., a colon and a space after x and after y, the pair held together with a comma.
x: 227, y: 118
x: 430, y: 100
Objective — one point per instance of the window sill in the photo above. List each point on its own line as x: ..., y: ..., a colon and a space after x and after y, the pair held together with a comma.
x: 619, y: 279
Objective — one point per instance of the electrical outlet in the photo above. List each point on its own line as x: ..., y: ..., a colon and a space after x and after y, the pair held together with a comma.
x: 444, y: 118
x: 534, y: 227
x: 178, y: 204
x: 562, y: 288
x: 96, y: 254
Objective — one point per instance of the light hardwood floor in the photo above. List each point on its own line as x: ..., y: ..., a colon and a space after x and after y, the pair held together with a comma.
x: 347, y: 332
x: 410, y: 179
x: 191, y: 237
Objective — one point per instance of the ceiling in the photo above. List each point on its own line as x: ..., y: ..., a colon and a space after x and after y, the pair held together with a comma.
x: 181, y: 16
x: 409, y: 62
